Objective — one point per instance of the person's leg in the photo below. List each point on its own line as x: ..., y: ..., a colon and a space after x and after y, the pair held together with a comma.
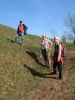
x: 60, y: 70
x: 22, y: 36
x: 44, y: 56
x: 48, y: 59
x: 16, y: 38
x: 54, y: 68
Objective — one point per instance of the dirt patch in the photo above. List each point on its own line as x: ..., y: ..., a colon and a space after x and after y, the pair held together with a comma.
x: 54, y: 89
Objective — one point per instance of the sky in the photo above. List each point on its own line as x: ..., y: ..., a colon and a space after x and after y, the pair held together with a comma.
x: 40, y: 16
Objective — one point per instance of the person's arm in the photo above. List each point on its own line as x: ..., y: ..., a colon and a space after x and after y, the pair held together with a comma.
x: 50, y: 42
x: 25, y: 27
x: 59, y: 51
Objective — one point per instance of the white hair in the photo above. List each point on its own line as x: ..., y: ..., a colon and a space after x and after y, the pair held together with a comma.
x: 44, y: 35
x: 56, y: 38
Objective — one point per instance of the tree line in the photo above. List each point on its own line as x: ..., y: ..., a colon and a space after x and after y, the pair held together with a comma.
x: 67, y: 36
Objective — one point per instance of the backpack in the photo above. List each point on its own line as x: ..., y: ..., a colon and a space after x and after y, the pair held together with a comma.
x: 21, y: 28
x: 63, y: 52
x: 25, y: 29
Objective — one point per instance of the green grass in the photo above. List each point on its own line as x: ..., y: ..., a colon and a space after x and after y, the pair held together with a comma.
x: 69, y: 45
x: 21, y: 67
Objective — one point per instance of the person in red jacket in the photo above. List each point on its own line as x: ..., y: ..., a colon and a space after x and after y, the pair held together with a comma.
x: 57, y: 58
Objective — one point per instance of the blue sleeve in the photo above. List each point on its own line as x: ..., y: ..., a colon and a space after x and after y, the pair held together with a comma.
x: 25, y: 27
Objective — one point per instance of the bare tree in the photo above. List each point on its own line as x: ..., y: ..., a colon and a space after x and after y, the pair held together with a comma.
x: 70, y: 37
x: 63, y: 38
x: 70, y: 23
x: 53, y: 32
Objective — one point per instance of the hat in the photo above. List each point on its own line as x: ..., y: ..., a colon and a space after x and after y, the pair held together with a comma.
x: 20, y: 21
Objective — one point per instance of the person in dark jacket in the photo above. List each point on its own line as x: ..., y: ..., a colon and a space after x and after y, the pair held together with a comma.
x: 57, y: 58
x: 20, y: 32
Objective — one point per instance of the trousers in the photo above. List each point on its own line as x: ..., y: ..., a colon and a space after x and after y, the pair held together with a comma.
x: 59, y: 65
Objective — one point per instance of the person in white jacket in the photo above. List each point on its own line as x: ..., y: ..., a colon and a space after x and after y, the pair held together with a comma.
x: 46, y: 45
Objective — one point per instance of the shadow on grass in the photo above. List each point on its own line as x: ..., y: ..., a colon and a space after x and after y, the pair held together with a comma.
x: 36, y: 73
x: 33, y: 55
x: 9, y: 40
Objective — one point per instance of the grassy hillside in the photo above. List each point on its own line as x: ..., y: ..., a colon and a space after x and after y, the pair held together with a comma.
x: 69, y: 45
x: 21, y: 67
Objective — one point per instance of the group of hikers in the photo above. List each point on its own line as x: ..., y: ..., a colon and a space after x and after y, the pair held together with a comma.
x: 58, y: 54
x: 46, y: 45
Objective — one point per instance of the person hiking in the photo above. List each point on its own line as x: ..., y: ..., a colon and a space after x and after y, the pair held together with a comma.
x: 45, y: 48
x: 20, y: 32
x: 57, y: 58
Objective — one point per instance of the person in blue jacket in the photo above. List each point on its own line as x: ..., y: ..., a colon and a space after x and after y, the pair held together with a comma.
x: 21, y: 31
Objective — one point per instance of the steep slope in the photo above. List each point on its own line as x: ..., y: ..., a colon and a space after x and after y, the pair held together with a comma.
x: 22, y: 72
x: 19, y: 65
